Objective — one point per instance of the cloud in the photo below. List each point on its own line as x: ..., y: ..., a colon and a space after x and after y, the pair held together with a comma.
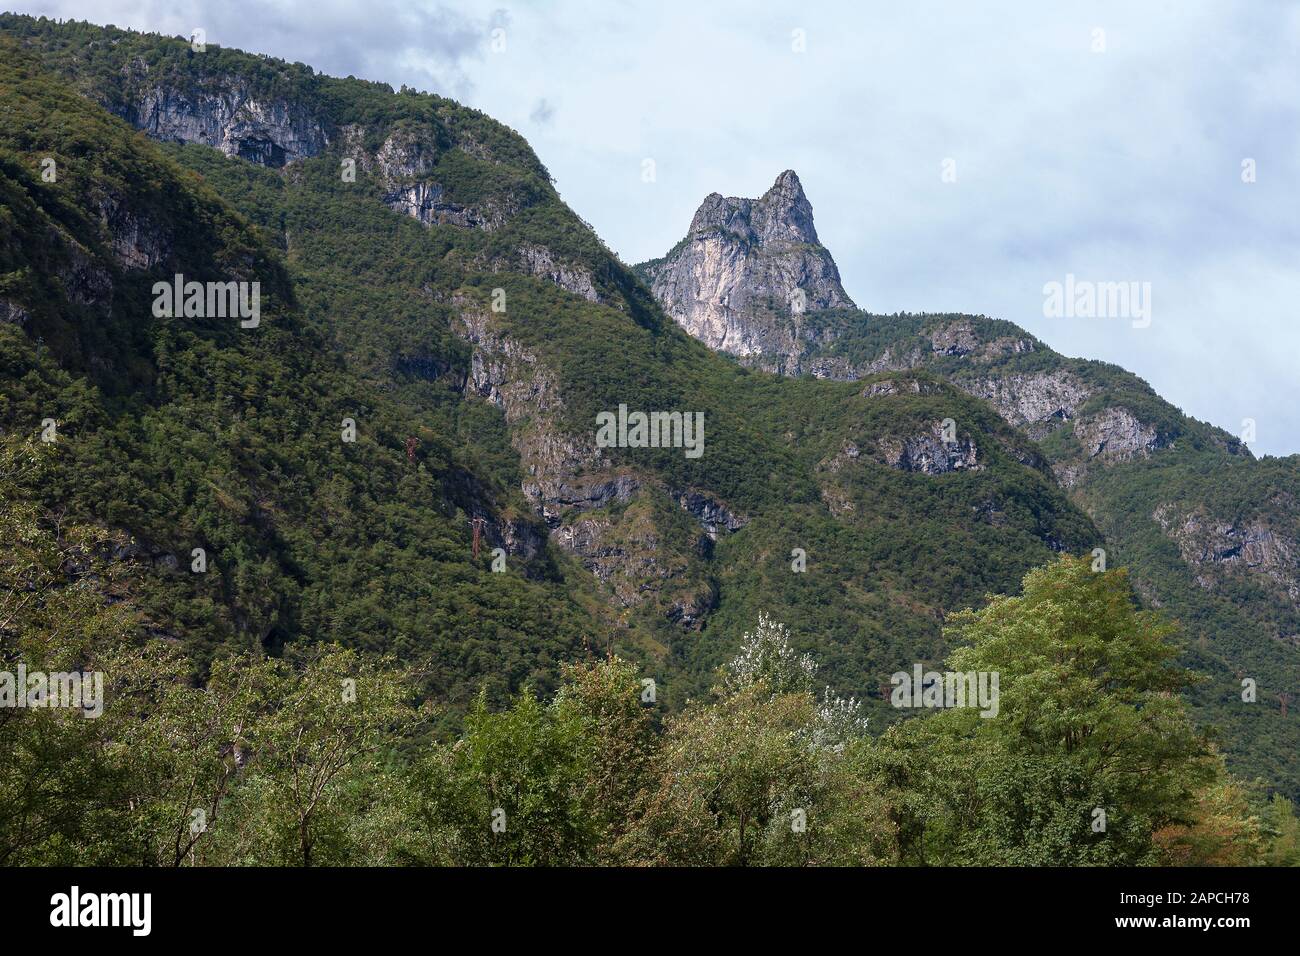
x: 542, y: 113
x: 426, y: 45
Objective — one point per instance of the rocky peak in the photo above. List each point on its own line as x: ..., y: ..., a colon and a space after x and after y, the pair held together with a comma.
x: 782, y: 214
x: 746, y: 269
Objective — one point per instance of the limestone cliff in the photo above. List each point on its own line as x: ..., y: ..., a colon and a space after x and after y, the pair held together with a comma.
x: 747, y: 271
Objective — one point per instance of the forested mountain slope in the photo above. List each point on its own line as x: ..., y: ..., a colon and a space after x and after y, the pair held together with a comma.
x: 1211, y: 534
x: 424, y: 279
x: 198, y: 433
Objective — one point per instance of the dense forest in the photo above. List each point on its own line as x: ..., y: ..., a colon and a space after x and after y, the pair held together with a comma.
x: 268, y: 540
x: 325, y: 755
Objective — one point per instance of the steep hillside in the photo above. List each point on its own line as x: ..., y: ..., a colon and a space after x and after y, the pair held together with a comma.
x: 427, y: 246
x: 1211, y: 534
x: 197, y: 432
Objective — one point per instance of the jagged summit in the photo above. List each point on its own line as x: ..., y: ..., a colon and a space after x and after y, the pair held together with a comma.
x: 782, y: 214
x: 745, y: 268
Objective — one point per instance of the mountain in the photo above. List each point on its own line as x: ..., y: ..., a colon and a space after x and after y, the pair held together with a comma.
x: 747, y: 271
x: 1209, y: 532
x: 197, y: 434
x: 423, y: 279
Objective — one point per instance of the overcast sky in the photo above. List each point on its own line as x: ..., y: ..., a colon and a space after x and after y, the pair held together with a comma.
x: 1104, y: 140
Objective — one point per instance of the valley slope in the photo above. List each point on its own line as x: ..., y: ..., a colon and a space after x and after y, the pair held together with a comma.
x: 426, y: 281
x: 1210, y: 533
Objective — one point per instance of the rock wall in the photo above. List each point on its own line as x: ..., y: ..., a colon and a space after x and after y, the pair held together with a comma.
x: 746, y: 272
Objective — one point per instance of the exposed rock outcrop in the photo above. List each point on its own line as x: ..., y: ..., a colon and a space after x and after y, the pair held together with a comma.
x: 1213, y: 545
x: 899, y: 386
x: 15, y: 314
x: 599, y: 511
x: 227, y: 116
x: 746, y: 272
x: 539, y: 262
x: 427, y: 202
x: 959, y: 338
x: 712, y: 514
x: 405, y: 165
x: 962, y: 339
x: 137, y: 243
x: 928, y: 453
x: 84, y: 279
x: 1115, y: 435
x: 1111, y: 436
x: 1037, y: 403
x: 561, y: 471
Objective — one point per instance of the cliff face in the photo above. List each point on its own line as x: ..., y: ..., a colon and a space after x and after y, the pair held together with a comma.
x: 605, y: 514
x: 1222, y: 549
x: 747, y: 271
x: 227, y: 117
x: 225, y: 112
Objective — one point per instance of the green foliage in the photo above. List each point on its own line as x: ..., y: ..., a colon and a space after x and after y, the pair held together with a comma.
x: 1088, y: 723
x: 183, y: 434
x: 266, y: 762
x: 1222, y: 831
x: 1236, y: 623
x: 1283, y: 832
x: 198, y: 434
x: 510, y: 791
x: 322, y: 749
x: 326, y: 761
x: 742, y: 782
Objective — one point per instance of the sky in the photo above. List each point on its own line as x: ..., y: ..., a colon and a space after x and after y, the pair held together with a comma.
x: 959, y: 157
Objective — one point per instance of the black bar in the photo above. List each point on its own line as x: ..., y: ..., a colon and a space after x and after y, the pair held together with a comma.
x: 336, y: 905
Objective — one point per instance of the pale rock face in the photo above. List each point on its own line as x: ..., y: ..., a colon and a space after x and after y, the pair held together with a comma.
x: 1037, y: 403
x: 712, y: 514
x: 746, y: 272
x: 1208, y: 543
x: 1115, y: 435
x: 512, y: 378
x: 891, y: 386
x: 925, y: 453
x: 958, y: 338
x: 1111, y: 436
x: 539, y: 262
x: 577, y: 491
x: 426, y: 202
x: 832, y: 368
x: 961, y: 339
x: 403, y: 155
x: 270, y: 133
x: 929, y: 454
x: 13, y: 314
x: 403, y: 165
